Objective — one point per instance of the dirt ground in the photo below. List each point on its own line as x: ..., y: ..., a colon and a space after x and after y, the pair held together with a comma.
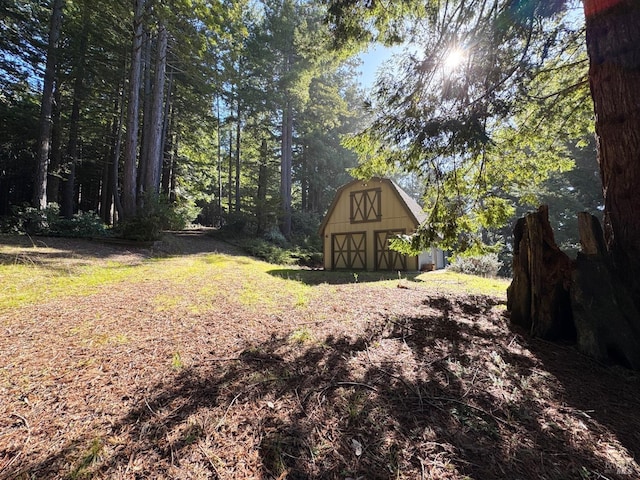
x: 191, y: 376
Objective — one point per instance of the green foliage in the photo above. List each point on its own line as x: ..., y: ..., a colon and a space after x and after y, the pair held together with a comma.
x: 267, y: 251
x: 275, y: 236
x: 155, y: 215
x: 305, y: 227
x: 272, y: 246
x: 48, y: 222
x: 236, y: 223
x: 486, y: 134
x: 91, y: 457
x: 487, y: 265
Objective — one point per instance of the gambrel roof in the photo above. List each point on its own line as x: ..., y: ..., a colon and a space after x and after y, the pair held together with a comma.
x: 413, y: 209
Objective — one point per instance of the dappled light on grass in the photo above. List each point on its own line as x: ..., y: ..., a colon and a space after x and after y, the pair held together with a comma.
x: 214, y: 367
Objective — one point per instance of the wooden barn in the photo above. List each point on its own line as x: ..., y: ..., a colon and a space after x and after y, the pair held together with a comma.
x: 362, y: 218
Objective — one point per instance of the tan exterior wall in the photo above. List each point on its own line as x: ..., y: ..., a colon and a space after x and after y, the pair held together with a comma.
x: 353, y: 213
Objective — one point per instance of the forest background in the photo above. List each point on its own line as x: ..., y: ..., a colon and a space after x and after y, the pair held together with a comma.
x: 249, y: 115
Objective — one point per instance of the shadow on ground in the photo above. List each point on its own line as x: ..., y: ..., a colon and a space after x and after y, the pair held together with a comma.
x: 453, y: 393
x: 48, y: 252
x: 317, y: 277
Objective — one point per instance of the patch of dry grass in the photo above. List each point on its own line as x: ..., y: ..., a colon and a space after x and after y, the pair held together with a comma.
x: 212, y: 365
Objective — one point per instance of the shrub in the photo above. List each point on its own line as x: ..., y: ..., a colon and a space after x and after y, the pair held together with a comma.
x: 275, y: 236
x: 48, y: 221
x: 486, y: 265
x: 305, y: 224
x: 82, y: 224
x: 181, y: 214
x: 235, y: 222
x: 156, y: 214
x: 34, y: 221
x: 267, y: 251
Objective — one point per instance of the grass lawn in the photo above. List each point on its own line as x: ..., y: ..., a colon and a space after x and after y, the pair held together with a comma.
x: 198, y: 362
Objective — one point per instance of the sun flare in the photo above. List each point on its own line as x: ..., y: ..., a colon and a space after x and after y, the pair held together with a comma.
x: 453, y: 59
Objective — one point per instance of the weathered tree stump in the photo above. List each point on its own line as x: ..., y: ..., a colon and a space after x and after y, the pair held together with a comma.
x: 586, y: 300
x: 604, y: 312
x: 538, y: 297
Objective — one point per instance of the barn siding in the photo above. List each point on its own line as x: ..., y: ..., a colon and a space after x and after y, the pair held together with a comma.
x: 393, y: 215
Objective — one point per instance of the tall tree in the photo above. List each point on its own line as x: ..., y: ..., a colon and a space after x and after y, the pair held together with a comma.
x: 44, y: 142
x: 68, y: 195
x: 613, y: 43
x: 129, y: 189
x: 155, y: 150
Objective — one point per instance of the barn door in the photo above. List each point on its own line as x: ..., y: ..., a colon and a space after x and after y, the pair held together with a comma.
x: 349, y: 250
x: 387, y: 259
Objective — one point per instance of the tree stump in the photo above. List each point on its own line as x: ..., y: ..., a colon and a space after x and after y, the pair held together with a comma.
x: 604, y: 313
x: 585, y: 300
x: 538, y: 297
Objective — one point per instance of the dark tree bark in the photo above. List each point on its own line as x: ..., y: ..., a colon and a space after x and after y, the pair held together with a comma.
x: 153, y: 162
x: 129, y: 183
x: 167, y: 141
x: 219, y: 132
x: 261, y: 197
x: 238, y: 138
x: 285, y: 168
x: 538, y: 297
x: 603, y: 310
x: 230, y: 172
x: 147, y: 98
x: 55, y: 154
x: 68, y: 186
x: 44, y: 141
x: 166, y: 145
x: 613, y: 44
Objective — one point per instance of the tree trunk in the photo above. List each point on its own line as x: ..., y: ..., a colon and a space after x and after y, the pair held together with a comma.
x: 147, y: 96
x: 238, y: 132
x: 44, y: 140
x: 304, y: 180
x: 165, y: 145
x: 613, y: 44
x: 285, y: 168
x: 538, y: 297
x: 154, y: 152
x: 129, y: 196
x: 167, y: 167
x: 55, y: 154
x: 230, y: 176
x: 167, y: 140
x: 585, y: 300
x: 68, y: 186
x: 261, y: 197
x: 603, y: 309
x: 219, y: 147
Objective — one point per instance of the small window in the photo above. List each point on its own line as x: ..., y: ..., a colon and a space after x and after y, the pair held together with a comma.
x: 366, y: 206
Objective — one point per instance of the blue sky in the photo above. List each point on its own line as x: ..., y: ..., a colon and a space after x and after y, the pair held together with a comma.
x: 372, y: 59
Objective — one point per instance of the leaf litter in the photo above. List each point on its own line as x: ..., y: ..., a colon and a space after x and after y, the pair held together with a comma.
x: 223, y: 372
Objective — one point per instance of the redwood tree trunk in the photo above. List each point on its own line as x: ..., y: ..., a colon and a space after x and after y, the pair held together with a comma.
x: 155, y: 149
x: 44, y: 141
x: 285, y: 168
x: 68, y: 188
x: 130, y: 171
x: 613, y: 43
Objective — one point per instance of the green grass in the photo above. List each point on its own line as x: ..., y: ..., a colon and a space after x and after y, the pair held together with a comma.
x: 463, y: 283
x: 22, y: 285
x: 251, y: 283
x: 444, y: 280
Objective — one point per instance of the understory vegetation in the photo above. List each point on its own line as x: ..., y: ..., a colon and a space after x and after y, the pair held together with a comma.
x: 204, y: 363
